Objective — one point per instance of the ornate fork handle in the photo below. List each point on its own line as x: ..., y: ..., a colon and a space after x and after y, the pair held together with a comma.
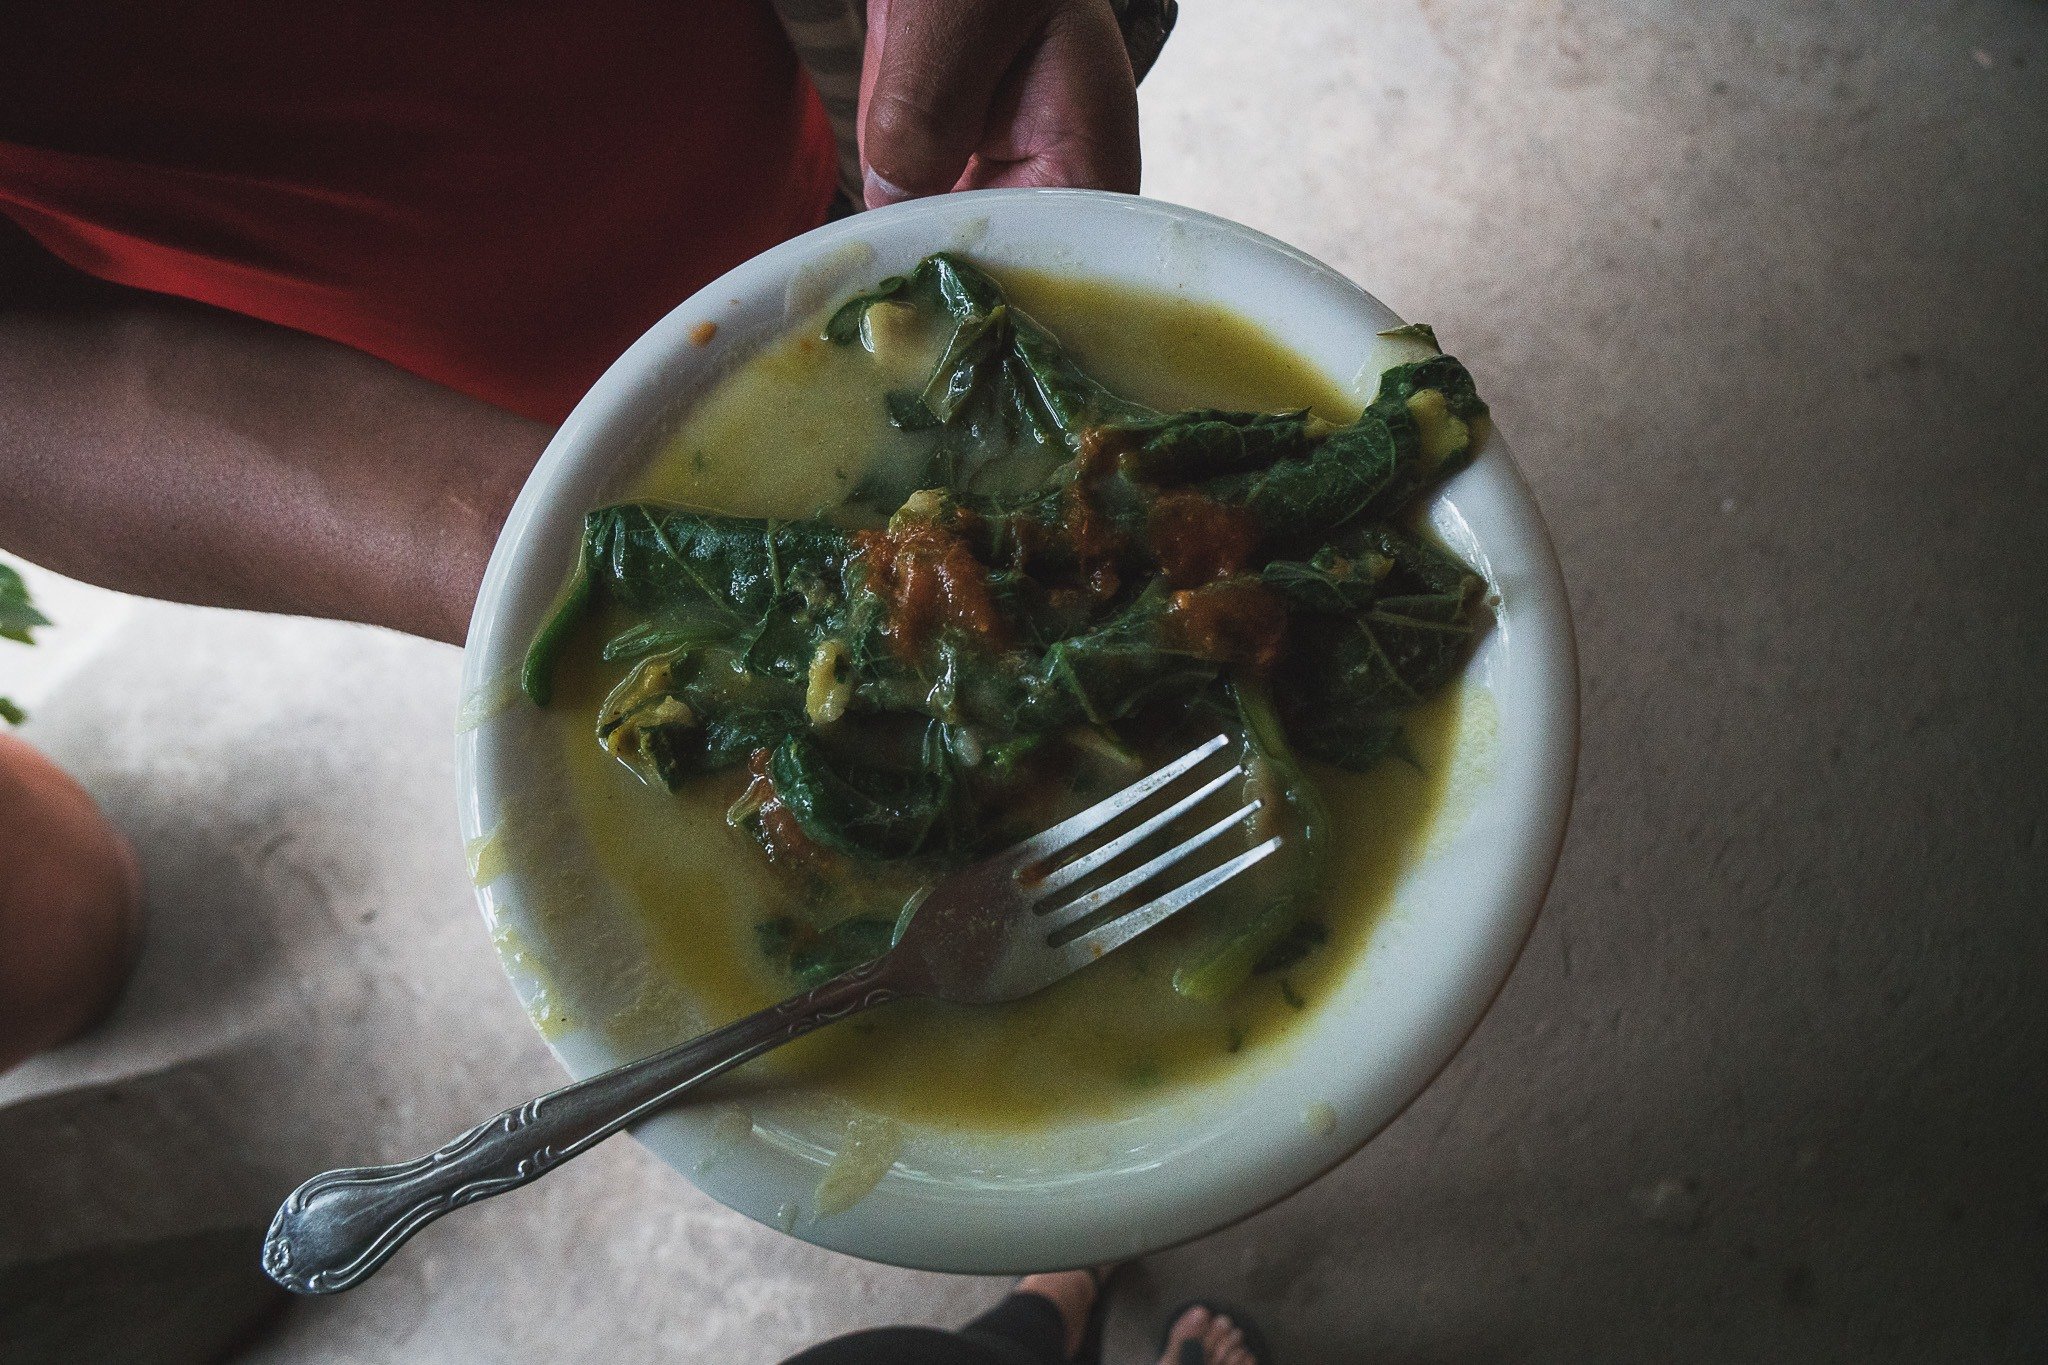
x: 336, y: 1229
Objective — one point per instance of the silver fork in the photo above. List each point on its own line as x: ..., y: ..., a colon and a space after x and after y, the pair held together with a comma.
x: 995, y: 931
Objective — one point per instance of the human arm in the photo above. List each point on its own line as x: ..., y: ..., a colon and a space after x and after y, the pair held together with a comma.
x: 174, y: 450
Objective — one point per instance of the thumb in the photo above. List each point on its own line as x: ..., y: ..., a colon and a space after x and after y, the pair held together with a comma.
x: 935, y: 68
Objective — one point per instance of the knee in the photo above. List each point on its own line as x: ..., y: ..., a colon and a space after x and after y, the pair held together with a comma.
x: 70, y: 905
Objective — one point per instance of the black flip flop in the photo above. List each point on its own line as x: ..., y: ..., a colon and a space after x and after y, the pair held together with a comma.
x: 1191, y: 1353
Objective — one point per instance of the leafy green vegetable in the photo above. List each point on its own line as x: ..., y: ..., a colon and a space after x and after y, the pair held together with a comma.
x: 1300, y: 941
x: 1070, y: 572
x: 1106, y: 674
x: 1414, y: 331
x: 813, y: 955
x: 759, y: 590
x: 1188, y: 446
x: 1273, y: 763
x: 872, y: 811
x: 1304, y: 500
x: 1348, y: 678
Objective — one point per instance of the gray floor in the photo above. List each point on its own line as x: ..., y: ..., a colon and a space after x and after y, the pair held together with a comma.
x: 1755, y: 289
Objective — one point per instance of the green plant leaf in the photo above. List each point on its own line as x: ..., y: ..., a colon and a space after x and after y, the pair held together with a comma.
x: 18, y: 614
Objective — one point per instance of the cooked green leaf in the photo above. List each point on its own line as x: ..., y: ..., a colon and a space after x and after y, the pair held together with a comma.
x: 1187, y: 446
x: 856, y: 806
x: 911, y: 694
x: 813, y: 956
x: 1414, y: 331
x: 1273, y: 764
x: 1305, y: 500
x: 1347, y: 679
x: 1107, y: 673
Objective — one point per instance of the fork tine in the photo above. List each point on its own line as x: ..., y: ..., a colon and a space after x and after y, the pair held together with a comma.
x: 1074, y: 827
x: 1069, y: 873
x: 1121, y: 930
x: 1078, y: 909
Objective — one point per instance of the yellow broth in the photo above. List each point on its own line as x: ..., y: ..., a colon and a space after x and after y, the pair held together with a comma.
x: 793, y: 432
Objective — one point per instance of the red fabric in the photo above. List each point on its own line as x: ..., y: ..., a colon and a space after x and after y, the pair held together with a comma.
x: 496, y: 195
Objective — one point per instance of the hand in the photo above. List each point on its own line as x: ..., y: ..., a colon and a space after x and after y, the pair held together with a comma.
x: 970, y: 94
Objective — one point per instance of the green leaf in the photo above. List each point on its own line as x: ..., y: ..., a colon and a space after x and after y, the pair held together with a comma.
x: 11, y: 713
x: 868, y: 810
x: 537, y: 673
x: 1208, y: 443
x: 1347, y: 679
x: 1114, y: 670
x: 1441, y: 373
x: 1222, y: 972
x: 760, y: 588
x: 1345, y: 476
x: 1331, y: 582
x: 814, y: 956
x: 907, y: 411
x: 1067, y: 399
x: 681, y: 565
x: 1434, y: 411
x: 18, y: 614
x: 993, y: 350
x: 843, y: 327
x: 1414, y: 331
x: 1297, y: 944
x: 972, y: 352
x: 645, y: 637
x: 673, y: 753
x: 841, y: 948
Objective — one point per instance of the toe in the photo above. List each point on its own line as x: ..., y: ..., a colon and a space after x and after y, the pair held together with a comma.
x: 1218, y: 1335
x: 1192, y: 1325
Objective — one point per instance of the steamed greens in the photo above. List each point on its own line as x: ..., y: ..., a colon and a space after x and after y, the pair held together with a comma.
x: 1067, y: 573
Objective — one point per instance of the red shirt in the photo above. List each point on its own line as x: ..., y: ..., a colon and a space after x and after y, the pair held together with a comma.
x: 496, y: 195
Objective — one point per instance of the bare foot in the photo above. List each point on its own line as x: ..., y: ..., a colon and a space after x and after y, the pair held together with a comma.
x: 1072, y: 1292
x: 1218, y: 1337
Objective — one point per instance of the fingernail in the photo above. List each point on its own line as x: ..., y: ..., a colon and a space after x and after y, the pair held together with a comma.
x: 880, y: 191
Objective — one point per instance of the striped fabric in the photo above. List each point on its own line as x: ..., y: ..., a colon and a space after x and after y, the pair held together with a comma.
x: 830, y: 35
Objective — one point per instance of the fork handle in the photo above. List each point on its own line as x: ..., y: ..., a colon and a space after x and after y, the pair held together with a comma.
x: 334, y: 1231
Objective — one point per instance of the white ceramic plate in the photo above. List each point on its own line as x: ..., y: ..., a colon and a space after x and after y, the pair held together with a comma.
x: 1201, y: 1157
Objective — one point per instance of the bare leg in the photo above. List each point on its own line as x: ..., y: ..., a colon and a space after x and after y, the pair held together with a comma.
x: 1072, y: 1292
x: 70, y: 906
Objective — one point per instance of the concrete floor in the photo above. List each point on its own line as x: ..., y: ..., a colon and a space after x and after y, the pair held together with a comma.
x: 1755, y: 288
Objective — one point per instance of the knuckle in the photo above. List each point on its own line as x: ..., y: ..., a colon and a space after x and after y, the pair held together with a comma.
x: 908, y: 139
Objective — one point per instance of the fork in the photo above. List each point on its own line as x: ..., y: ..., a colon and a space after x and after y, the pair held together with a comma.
x: 998, y: 930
